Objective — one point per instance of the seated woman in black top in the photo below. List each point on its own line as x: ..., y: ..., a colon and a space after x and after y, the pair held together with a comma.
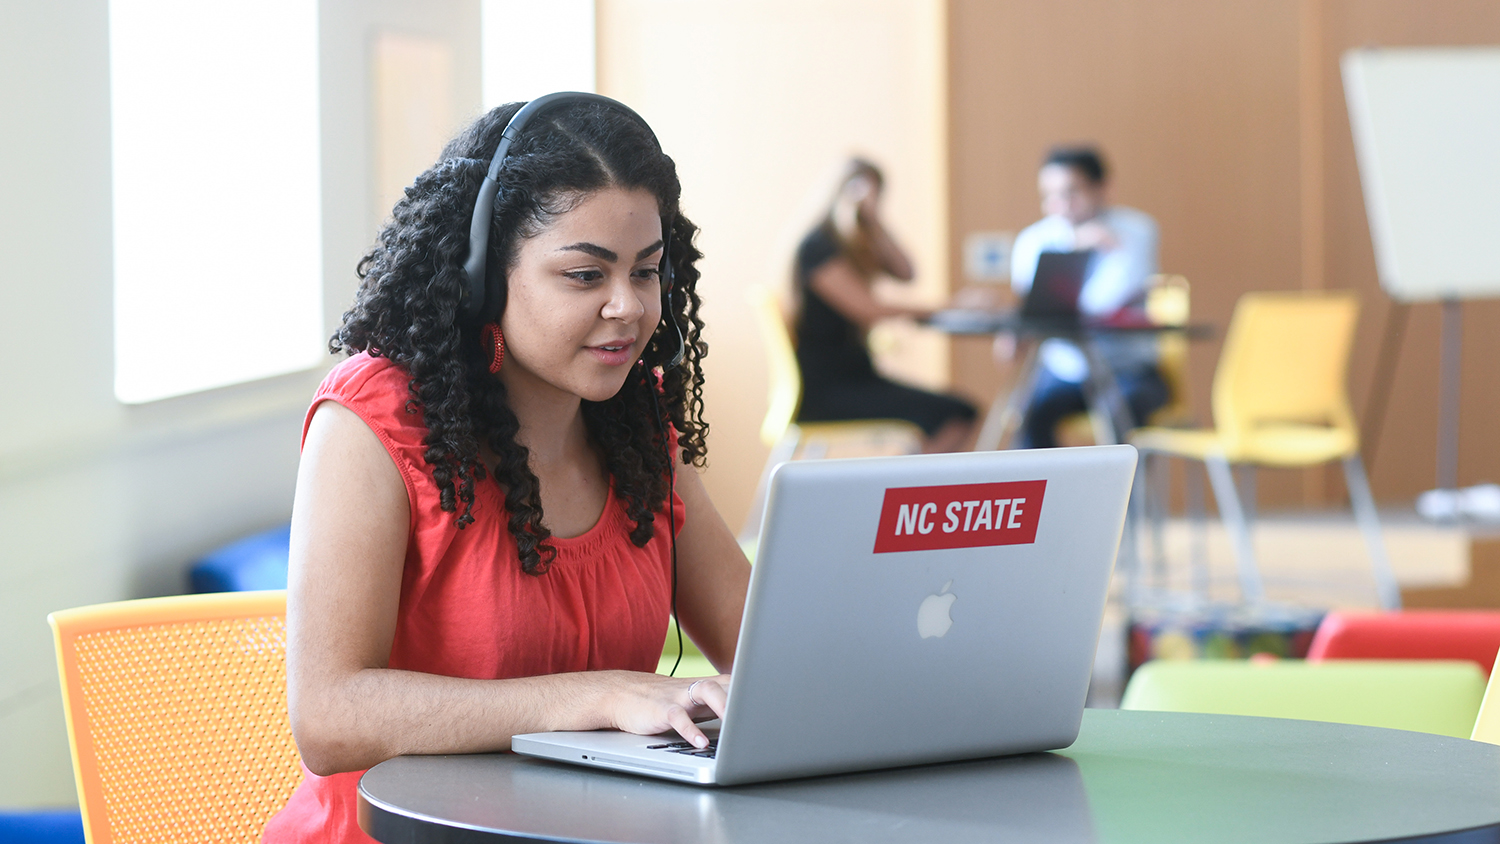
x: 837, y: 263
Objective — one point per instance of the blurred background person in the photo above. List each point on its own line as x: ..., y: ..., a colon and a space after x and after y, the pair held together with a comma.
x: 1073, y: 184
x: 836, y: 267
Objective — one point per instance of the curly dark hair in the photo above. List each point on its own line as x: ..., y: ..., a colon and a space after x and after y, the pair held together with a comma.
x: 409, y: 309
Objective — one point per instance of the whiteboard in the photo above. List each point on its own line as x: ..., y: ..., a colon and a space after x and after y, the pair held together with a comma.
x: 1426, y: 127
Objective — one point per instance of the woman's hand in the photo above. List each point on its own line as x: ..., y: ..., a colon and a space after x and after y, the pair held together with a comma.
x: 648, y: 704
x: 1004, y: 349
x: 979, y: 297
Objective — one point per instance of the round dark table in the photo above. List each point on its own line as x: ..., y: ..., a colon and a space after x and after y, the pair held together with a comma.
x: 1131, y: 777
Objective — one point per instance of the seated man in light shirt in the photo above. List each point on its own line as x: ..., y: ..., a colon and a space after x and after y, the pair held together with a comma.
x: 1073, y: 187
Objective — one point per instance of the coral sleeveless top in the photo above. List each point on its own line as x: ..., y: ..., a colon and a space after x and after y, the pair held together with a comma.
x: 467, y: 609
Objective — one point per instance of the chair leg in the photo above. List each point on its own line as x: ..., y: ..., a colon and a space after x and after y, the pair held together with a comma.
x: 1102, y: 428
x: 1245, y: 486
x: 1130, y: 542
x: 1006, y: 410
x: 1197, y: 532
x: 1363, y: 504
x: 1159, y: 498
x: 1109, y: 413
x: 996, y: 421
x: 784, y: 450
x: 1221, y: 477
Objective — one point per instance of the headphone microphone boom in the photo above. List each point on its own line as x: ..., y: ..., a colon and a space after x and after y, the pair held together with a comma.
x: 482, y: 294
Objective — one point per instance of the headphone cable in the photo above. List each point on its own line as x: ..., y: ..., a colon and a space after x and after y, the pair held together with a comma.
x: 671, y: 516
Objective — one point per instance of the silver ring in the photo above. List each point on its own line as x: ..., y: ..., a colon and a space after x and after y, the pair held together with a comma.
x: 691, y: 699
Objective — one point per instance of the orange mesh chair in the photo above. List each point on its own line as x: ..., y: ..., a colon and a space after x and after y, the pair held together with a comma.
x: 177, y: 716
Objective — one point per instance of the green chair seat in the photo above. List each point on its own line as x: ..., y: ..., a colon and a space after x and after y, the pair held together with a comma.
x: 1428, y: 696
x: 694, y: 663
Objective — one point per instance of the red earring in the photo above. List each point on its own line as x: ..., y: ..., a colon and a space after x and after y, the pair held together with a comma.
x: 493, y: 343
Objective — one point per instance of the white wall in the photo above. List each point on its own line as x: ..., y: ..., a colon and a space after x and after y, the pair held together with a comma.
x: 100, y: 501
x: 535, y: 48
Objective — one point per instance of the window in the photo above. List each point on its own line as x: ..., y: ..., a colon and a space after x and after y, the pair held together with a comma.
x: 217, y: 212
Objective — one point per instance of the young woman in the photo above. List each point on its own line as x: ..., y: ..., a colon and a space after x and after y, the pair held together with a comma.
x: 482, y: 533
x: 837, y: 264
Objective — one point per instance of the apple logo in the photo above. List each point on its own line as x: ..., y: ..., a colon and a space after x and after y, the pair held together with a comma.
x: 932, y: 617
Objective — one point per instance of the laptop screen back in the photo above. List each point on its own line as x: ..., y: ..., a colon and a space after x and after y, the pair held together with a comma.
x: 1055, y: 287
x: 916, y: 609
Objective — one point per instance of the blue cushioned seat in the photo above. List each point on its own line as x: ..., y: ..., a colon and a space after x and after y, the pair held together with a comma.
x: 253, y: 563
x: 41, y: 826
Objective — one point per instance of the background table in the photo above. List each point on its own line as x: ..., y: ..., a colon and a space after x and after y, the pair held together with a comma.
x: 1106, y: 403
x: 1130, y: 777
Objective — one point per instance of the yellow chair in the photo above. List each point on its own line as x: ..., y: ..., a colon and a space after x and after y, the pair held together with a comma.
x: 788, y: 438
x: 1487, y: 725
x: 177, y: 716
x: 1168, y: 303
x: 1279, y: 400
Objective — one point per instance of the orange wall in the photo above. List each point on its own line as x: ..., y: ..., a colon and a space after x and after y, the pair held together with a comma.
x: 1226, y: 121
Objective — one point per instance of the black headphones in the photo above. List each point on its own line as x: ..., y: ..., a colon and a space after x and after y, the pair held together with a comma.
x: 483, y: 289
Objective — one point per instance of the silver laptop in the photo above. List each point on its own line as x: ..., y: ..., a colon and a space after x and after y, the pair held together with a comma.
x: 905, y: 611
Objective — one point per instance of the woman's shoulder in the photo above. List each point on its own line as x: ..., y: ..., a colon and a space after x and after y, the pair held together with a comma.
x: 365, y: 377
x: 378, y: 390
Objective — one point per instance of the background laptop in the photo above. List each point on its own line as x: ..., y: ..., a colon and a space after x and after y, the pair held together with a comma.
x: 1053, y: 297
x: 906, y: 610
x: 1051, y: 304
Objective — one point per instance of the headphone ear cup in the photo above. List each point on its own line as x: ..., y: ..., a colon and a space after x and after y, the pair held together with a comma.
x: 669, y: 317
x: 667, y: 276
x: 667, y: 284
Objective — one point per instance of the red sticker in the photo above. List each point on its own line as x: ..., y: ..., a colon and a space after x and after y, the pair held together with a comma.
x: 926, y: 518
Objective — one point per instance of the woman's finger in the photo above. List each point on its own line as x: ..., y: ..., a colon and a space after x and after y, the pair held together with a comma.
x: 714, y: 694
x: 682, y: 722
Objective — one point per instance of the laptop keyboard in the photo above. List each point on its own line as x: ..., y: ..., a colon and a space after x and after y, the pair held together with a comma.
x: 687, y: 749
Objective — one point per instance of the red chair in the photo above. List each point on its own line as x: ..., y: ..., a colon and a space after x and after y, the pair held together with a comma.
x: 1473, y: 635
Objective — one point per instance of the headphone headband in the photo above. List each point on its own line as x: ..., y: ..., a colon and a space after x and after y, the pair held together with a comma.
x: 476, y: 305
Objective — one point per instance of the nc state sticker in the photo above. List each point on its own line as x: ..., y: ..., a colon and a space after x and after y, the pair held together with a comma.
x: 926, y: 518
